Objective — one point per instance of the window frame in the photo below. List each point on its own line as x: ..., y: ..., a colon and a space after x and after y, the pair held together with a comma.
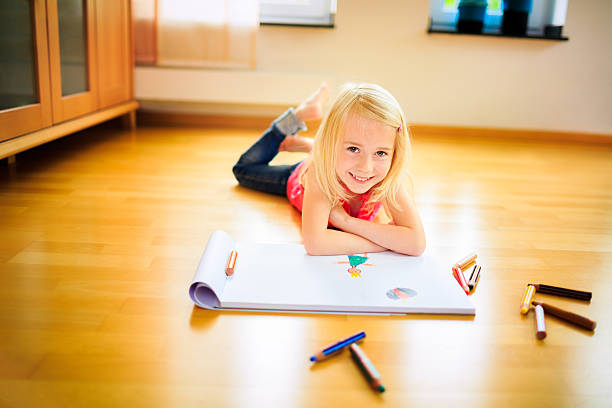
x: 304, y: 13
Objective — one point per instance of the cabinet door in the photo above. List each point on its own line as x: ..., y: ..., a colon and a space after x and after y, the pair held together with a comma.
x: 72, y: 58
x: 114, y: 45
x: 25, y: 98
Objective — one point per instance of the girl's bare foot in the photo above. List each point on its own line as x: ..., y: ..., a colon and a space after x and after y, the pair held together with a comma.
x: 312, y: 107
x: 296, y: 144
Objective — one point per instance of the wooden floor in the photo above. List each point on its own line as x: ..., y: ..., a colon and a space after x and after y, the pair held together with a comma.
x: 101, y: 232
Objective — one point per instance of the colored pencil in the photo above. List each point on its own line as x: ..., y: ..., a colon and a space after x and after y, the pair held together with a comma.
x: 557, y: 291
x: 474, y: 276
x: 529, y: 291
x: 366, y: 367
x: 465, y: 262
x: 540, y: 324
x: 336, y: 347
x: 567, y: 316
x: 458, y: 274
x: 231, y: 263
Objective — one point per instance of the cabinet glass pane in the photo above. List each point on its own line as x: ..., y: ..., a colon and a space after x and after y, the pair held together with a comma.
x: 18, y: 76
x: 73, y: 46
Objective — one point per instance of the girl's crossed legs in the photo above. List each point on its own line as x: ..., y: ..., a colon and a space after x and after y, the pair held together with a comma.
x: 253, y: 170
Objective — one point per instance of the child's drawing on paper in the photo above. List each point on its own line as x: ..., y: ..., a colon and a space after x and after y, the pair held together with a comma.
x: 354, y: 261
x: 401, y: 293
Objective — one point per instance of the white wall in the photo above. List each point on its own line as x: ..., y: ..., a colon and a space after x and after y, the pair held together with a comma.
x: 439, y: 79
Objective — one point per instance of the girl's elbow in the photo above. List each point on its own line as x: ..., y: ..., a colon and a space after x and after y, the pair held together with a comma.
x: 311, y: 247
x: 421, y: 246
x: 310, y: 250
x: 314, y: 251
x: 418, y: 248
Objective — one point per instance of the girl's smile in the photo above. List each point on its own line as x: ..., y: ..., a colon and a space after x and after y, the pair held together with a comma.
x: 365, y: 154
x: 360, y: 179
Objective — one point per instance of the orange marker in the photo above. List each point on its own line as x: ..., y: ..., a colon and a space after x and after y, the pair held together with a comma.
x: 461, y: 279
x: 527, y: 298
x: 465, y: 263
x: 231, y: 263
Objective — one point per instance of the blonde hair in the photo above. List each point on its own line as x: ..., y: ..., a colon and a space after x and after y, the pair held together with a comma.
x: 369, y: 101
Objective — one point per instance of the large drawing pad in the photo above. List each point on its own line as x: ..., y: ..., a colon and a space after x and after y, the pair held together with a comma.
x: 283, y: 277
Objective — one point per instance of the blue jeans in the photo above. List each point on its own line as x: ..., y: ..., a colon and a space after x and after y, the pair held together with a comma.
x: 253, y: 170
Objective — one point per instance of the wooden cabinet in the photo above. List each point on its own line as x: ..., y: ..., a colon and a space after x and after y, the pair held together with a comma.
x: 69, y: 65
x: 25, y: 92
x: 72, y: 58
x: 115, y: 56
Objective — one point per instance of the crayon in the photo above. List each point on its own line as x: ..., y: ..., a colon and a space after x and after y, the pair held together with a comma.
x: 529, y: 291
x: 557, y: 291
x: 567, y: 316
x: 336, y: 347
x: 367, y: 368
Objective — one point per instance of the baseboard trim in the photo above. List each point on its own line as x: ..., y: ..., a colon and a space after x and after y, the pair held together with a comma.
x: 152, y: 118
x: 521, y: 134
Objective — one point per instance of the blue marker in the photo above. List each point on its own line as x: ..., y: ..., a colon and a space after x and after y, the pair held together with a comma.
x: 337, y: 347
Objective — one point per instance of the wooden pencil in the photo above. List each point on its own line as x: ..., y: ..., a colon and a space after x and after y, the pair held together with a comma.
x: 558, y: 291
x: 567, y: 316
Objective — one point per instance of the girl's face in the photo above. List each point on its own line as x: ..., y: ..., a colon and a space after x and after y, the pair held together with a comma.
x: 364, y: 156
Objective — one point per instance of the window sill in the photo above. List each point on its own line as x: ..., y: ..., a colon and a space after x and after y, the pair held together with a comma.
x: 488, y: 32
x: 323, y: 21
x: 313, y: 25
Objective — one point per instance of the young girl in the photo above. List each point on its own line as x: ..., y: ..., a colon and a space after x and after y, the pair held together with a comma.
x: 357, y: 167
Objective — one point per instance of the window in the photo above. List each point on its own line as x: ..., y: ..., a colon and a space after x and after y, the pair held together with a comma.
x: 319, y: 13
x: 444, y: 13
x: 544, y: 19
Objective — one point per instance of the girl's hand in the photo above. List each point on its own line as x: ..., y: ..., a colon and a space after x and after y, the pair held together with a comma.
x: 338, y: 217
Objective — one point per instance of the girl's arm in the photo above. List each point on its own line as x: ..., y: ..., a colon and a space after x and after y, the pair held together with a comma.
x: 318, y: 239
x: 405, y: 236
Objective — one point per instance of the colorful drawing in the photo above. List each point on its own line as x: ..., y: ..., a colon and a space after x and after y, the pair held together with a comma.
x: 401, y: 293
x: 355, y: 273
x: 354, y: 261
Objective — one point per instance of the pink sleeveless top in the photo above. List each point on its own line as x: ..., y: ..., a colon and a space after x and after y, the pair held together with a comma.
x: 295, y: 194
